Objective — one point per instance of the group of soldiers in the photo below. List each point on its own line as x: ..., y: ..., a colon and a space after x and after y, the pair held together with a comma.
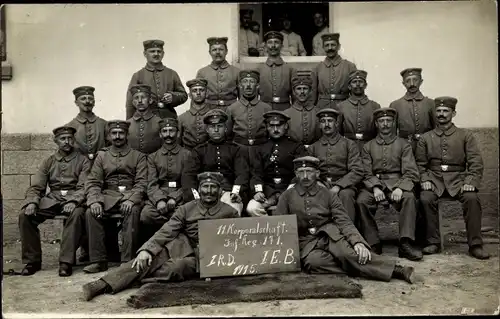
x: 271, y: 141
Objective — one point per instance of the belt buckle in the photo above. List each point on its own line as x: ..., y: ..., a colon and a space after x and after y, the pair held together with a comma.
x: 359, y: 136
x: 329, y: 179
x: 312, y: 230
x: 277, y: 180
x: 91, y: 156
x: 306, y: 146
x: 250, y: 141
x: 444, y: 168
x: 121, y: 189
x: 332, y: 96
x: 276, y: 99
x: 161, y: 105
x: 172, y: 184
x: 221, y: 102
x: 417, y: 136
x: 64, y: 192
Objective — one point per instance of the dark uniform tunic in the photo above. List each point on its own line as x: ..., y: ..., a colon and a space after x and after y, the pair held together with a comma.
x: 246, y: 121
x: 449, y: 160
x: 222, y: 88
x: 90, y: 134
x: 144, y: 132
x: 60, y: 174
x: 340, y: 164
x: 275, y: 83
x: 303, y: 123
x: 113, y: 168
x: 388, y: 165
x: 161, y: 80
x: 174, y: 247
x: 191, y: 127
x: 331, y: 81
x: 327, y: 235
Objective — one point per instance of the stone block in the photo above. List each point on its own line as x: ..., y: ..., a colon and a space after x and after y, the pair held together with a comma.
x: 489, y: 183
x: 10, y: 225
x: 50, y: 230
x: 487, y: 139
x: 10, y: 233
x: 23, y: 162
x: 16, y: 142
x: 15, y: 186
x: 43, y: 142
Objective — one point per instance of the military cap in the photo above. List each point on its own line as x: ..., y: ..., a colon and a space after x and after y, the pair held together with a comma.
x: 249, y: 74
x: 64, y: 130
x: 168, y: 122
x: 330, y: 36
x: 124, y: 125
x: 273, y: 35
x: 197, y: 82
x: 447, y: 101
x: 215, y: 116
x: 215, y: 40
x: 275, y: 115
x: 140, y: 88
x: 358, y: 74
x: 411, y: 71
x: 306, y: 161
x: 328, y: 112
x: 214, y: 177
x: 83, y: 90
x: 149, y: 44
x: 301, y: 80
x: 385, y: 111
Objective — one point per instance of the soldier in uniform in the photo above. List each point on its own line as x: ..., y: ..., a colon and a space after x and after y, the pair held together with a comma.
x: 192, y: 130
x: 357, y: 111
x: 218, y: 155
x: 167, y: 88
x: 116, y: 184
x: 144, y: 124
x: 249, y: 40
x: 390, y: 175
x: 222, y: 77
x: 415, y: 111
x: 340, y: 163
x: 292, y: 42
x: 450, y: 164
x: 65, y: 172
x: 275, y: 74
x: 303, y: 125
x: 332, y: 74
x: 272, y: 164
x: 328, y: 240
x: 172, y: 253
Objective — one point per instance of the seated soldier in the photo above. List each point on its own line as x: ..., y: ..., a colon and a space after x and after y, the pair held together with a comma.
x: 390, y: 175
x: 328, y: 240
x: 116, y: 184
x: 65, y: 172
x: 172, y: 253
x: 340, y: 164
x: 271, y: 164
x: 218, y: 155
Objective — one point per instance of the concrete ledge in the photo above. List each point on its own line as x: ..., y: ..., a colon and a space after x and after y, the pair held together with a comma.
x: 43, y: 142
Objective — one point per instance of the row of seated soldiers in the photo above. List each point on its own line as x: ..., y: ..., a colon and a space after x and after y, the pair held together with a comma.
x: 147, y: 188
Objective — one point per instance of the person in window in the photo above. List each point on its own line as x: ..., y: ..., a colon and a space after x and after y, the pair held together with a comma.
x: 249, y: 40
x: 322, y: 27
x: 292, y: 42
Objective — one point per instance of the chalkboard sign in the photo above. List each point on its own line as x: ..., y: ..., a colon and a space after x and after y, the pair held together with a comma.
x: 248, y: 246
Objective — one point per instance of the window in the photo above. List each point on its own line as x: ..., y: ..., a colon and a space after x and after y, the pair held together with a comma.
x: 305, y: 20
x: 6, y: 68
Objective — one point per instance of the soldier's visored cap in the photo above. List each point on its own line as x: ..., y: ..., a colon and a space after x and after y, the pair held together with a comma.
x: 216, y: 40
x: 83, y: 90
x: 64, y: 130
x: 275, y: 117
x: 215, y: 116
x: 411, y: 71
x: 140, y: 88
x: 385, y: 111
x: 447, y: 101
x: 124, y: 125
x: 196, y: 82
x: 299, y: 79
x: 358, y: 74
x: 273, y: 35
x: 328, y: 112
x: 306, y: 161
x: 149, y: 44
x: 249, y: 74
x: 214, y: 177
x: 168, y: 122
x: 330, y: 36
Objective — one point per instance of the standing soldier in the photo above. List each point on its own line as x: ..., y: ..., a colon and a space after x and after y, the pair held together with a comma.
x: 357, y: 111
x: 249, y: 40
x: 144, y: 125
x: 222, y: 77
x: 415, y: 111
x: 168, y: 91
x: 450, y: 163
x: 275, y: 74
x: 390, y: 175
x: 272, y: 164
x: 340, y: 163
x: 332, y: 74
x: 116, y: 184
x: 292, y: 42
x: 65, y: 172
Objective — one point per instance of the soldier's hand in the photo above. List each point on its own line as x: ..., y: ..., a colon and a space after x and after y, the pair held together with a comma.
x: 171, y: 204
x: 468, y: 188
x: 397, y: 194
x: 335, y: 189
x: 96, y: 210
x: 68, y: 208
x: 142, y: 261
x: 378, y: 194
x: 363, y: 253
x: 126, y: 207
x: 161, y: 207
x: 167, y: 97
x: 235, y: 198
x: 30, y: 209
x: 260, y: 197
x: 427, y: 186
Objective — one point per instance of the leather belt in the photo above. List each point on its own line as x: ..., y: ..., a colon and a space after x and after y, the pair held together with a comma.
x: 277, y: 180
x: 333, y: 96
x: 116, y: 187
x: 250, y: 142
x: 447, y: 168
x: 220, y: 102
x: 388, y: 175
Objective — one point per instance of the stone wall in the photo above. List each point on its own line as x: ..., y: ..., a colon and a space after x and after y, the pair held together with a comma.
x: 21, y: 154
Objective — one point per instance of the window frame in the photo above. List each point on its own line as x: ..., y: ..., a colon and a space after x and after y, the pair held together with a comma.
x: 6, y: 67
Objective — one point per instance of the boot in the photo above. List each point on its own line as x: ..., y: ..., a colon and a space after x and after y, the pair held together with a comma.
x: 431, y: 249
x: 93, y: 289
x: 65, y: 270
x: 84, y: 256
x: 31, y: 268
x: 377, y: 248
x: 96, y: 267
x: 405, y: 273
x: 409, y: 252
x: 478, y: 252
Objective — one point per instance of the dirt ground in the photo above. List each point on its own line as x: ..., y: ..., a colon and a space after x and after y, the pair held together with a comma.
x: 452, y: 283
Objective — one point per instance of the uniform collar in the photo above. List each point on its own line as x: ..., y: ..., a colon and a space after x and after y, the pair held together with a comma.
x: 246, y: 102
x: 275, y: 61
x: 196, y: 110
x: 119, y: 152
x: 354, y: 100
x: 83, y: 119
x: 382, y: 141
x: 210, y: 211
x: 308, y: 105
x: 417, y: 96
x: 146, y: 116
x: 152, y: 68
x: 66, y: 158
x: 448, y: 132
x: 336, y: 61
x: 223, y: 65
x: 170, y: 149
x: 332, y: 140
x: 313, y: 190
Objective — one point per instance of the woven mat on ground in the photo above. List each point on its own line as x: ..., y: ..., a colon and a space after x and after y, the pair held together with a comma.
x: 279, y: 286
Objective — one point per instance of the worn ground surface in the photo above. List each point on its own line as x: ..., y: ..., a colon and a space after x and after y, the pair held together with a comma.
x: 453, y: 283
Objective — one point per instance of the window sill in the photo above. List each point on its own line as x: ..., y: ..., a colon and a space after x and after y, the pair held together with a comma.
x: 287, y: 59
x: 6, y: 71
